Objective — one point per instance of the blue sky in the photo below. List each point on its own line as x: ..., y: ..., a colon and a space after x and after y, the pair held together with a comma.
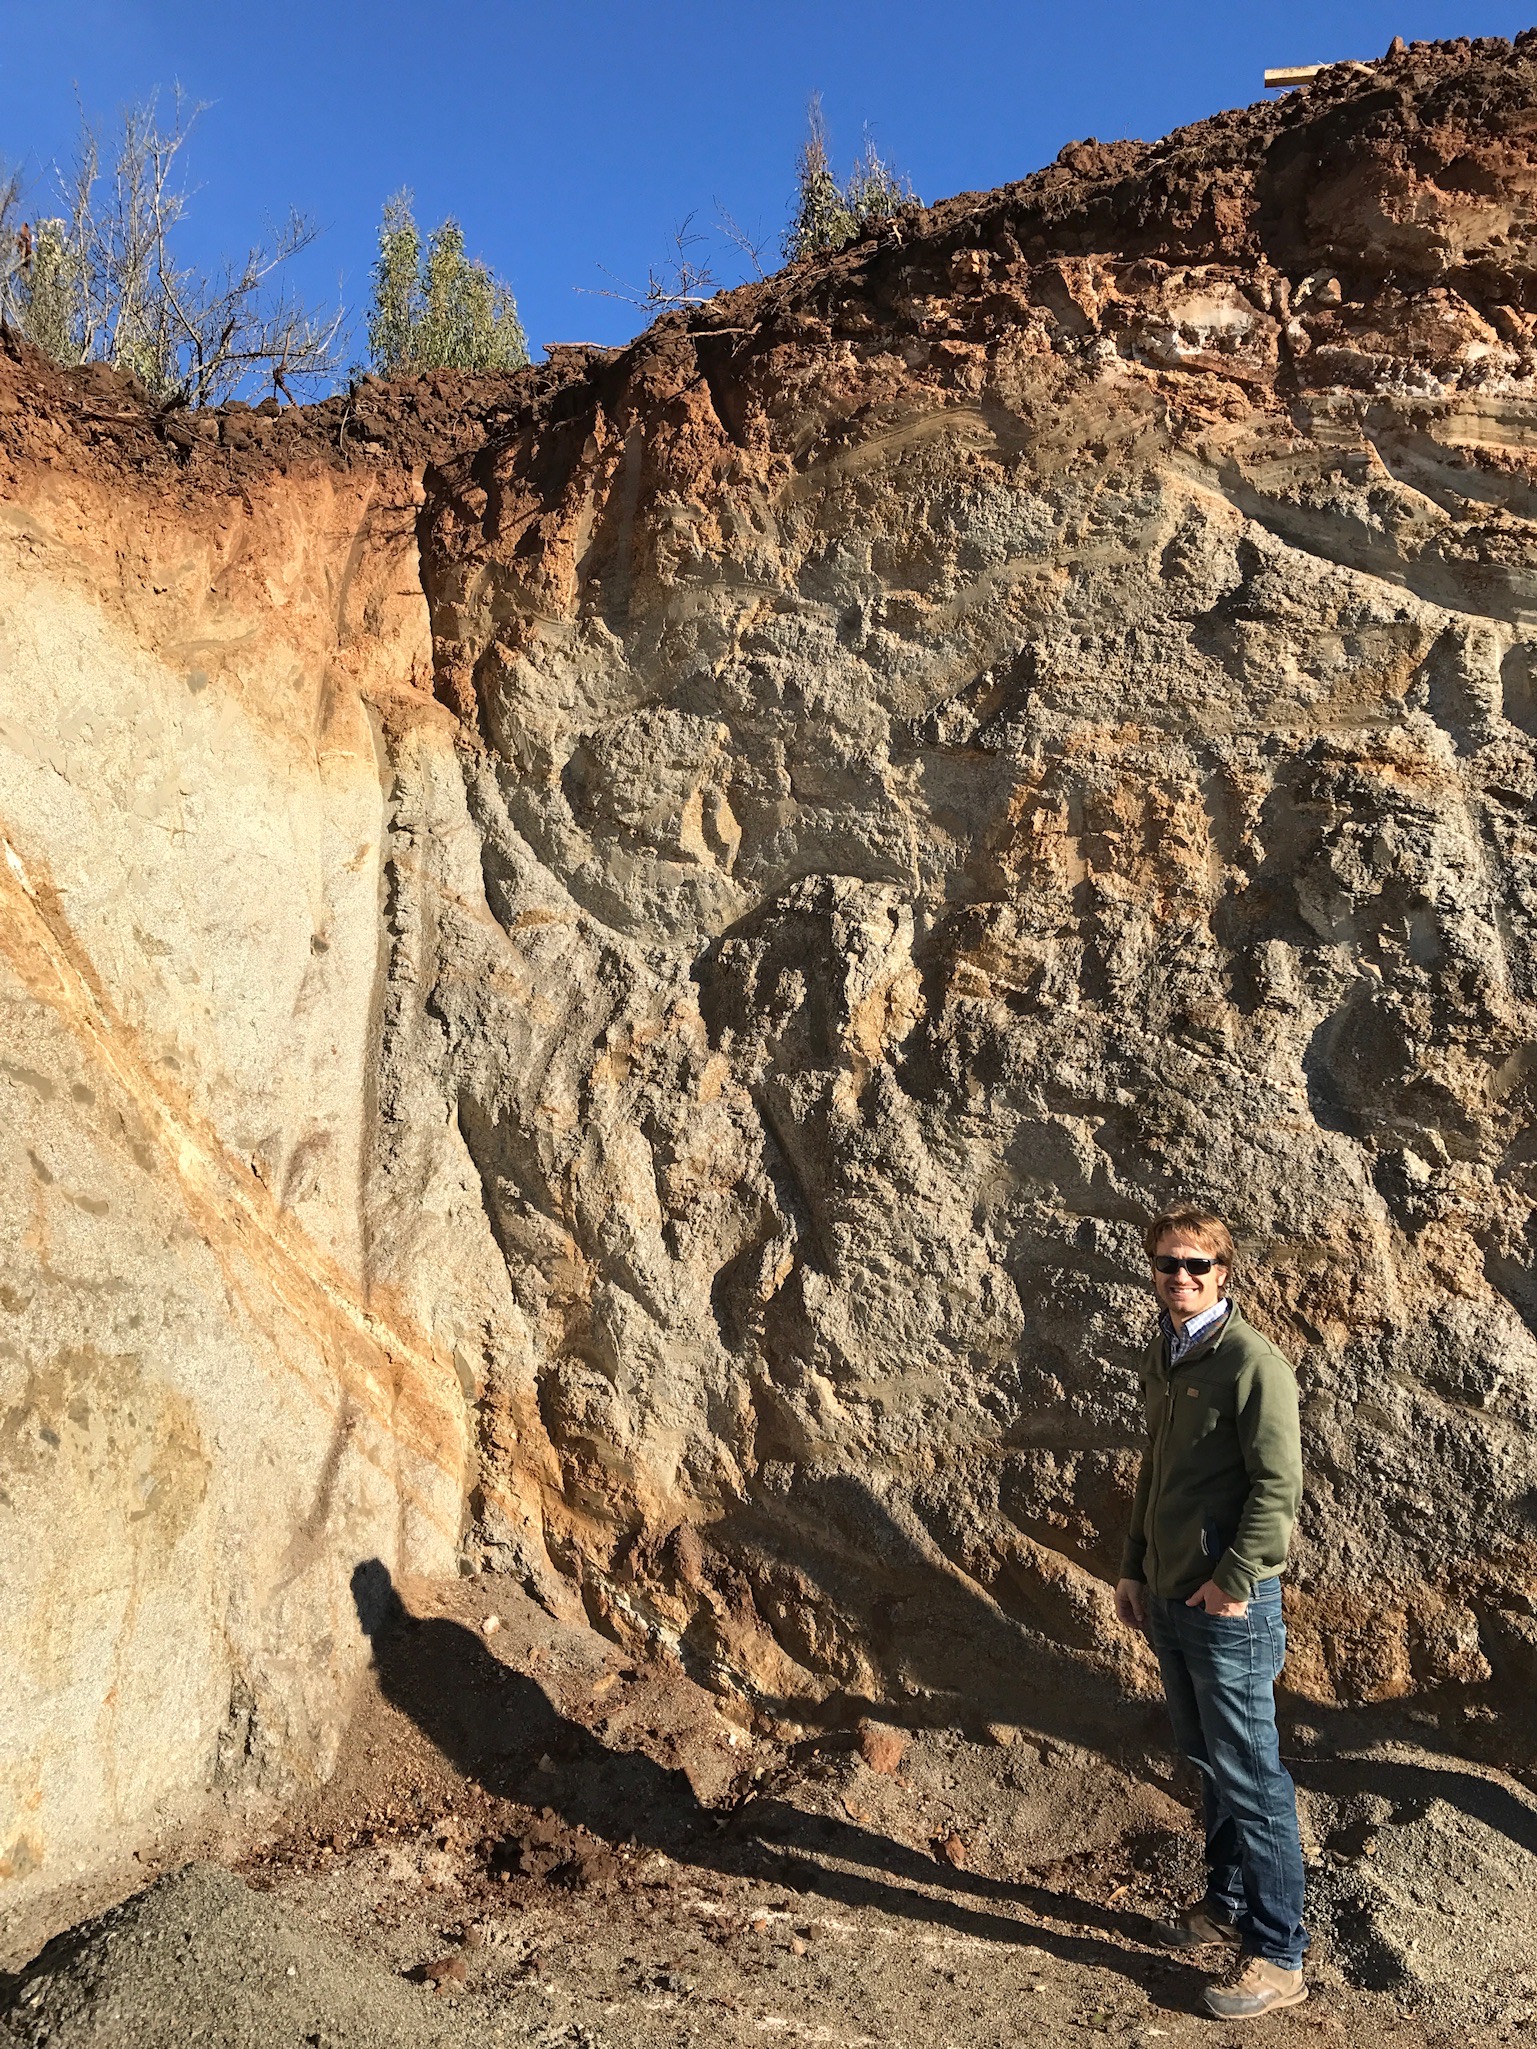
x: 568, y: 137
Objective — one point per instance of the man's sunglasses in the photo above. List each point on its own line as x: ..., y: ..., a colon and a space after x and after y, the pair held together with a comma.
x: 1197, y: 1269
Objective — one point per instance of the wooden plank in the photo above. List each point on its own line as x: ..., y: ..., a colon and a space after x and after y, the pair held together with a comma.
x: 1292, y: 74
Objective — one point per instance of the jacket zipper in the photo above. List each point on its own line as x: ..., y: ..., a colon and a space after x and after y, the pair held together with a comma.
x: 1160, y: 1443
x: 1158, y: 1451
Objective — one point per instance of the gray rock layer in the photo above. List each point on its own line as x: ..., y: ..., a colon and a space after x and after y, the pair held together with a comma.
x: 1045, y: 827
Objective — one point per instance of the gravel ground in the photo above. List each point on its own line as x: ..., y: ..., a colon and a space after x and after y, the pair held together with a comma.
x: 199, y: 1958
x: 534, y: 1841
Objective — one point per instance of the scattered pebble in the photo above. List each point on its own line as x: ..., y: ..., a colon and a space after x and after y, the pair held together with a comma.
x: 881, y: 1746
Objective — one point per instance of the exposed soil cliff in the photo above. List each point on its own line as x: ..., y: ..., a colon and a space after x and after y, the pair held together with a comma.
x: 602, y: 966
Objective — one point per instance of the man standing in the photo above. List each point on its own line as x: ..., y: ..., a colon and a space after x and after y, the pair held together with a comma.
x: 1216, y: 1498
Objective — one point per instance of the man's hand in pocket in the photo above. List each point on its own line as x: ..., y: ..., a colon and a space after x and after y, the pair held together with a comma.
x: 1211, y: 1597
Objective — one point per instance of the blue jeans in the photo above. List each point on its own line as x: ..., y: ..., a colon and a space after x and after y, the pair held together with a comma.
x: 1219, y: 1676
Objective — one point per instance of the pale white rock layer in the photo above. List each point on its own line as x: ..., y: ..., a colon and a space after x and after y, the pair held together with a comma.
x: 208, y: 1417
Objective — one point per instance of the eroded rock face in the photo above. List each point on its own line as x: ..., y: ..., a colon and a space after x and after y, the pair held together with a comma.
x: 862, y: 798
x: 1080, y: 841
x: 1026, y: 722
x: 205, y: 1415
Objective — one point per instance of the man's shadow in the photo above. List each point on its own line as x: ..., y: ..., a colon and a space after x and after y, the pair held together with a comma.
x: 499, y: 1728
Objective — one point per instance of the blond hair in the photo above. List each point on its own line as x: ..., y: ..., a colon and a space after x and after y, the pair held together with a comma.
x: 1200, y: 1226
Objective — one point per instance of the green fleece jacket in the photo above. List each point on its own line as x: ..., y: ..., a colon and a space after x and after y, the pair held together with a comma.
x: 1221, y: 1479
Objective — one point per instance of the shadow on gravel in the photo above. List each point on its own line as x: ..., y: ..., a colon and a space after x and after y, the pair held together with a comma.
x: 498, y: 1727
x: 1413, y: 1788
x: 1018, y: 1652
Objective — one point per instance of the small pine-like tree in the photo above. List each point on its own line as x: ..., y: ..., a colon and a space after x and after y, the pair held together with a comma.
x: 828, y: 214
x: 434, y: 308
x: 392, y: 316
x: 875, y: 189
x: 821, y: 219
x: 50, y: 318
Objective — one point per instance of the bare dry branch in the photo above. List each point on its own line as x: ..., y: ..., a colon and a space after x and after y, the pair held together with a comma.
x: 738, y: 237
x: 680, y: 281
x: 114, y: 288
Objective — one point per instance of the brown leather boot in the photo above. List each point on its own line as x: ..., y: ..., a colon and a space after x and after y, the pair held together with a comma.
x: 1197, y: 1927
x: 1253, y: 1987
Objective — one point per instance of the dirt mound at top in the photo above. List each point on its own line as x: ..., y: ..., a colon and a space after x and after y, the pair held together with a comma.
x: 1383, y: 165
x: 200, y: 1958
x: 1351, y: 199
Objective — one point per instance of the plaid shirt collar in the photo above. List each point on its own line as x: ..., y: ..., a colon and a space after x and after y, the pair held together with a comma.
x: 1180, y: 1342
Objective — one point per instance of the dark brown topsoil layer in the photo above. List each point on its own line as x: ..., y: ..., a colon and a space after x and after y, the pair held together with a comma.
x: 1372, y: 171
